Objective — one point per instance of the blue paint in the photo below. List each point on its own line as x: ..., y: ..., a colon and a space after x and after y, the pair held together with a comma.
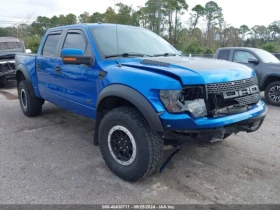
x: 77, y: 87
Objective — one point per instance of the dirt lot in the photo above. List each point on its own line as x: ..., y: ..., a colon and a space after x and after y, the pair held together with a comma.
x: 50, y: 159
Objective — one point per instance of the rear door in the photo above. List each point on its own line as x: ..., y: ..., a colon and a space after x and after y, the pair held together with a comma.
x: 224, y: 54
x: 46, y: 63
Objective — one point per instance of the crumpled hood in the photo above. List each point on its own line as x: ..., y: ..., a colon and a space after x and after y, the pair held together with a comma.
x: 193, y: 70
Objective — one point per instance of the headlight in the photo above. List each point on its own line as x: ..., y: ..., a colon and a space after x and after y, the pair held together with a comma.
x: 188, y: 100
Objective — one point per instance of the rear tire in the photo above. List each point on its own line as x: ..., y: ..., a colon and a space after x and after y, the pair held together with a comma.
x: 125, y: 127
x: 272, y: 93
x: 30, y: 106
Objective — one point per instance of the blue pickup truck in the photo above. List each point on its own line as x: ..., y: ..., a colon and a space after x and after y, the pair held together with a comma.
x: 140, y: 91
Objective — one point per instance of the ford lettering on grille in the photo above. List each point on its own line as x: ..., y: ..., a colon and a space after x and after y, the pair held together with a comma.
x: 243, y: 92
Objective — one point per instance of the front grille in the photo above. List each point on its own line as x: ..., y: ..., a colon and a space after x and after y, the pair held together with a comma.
x: 231, y: 94
x: 218, y: 88
x: 7, y: 67
x: 250, y: 99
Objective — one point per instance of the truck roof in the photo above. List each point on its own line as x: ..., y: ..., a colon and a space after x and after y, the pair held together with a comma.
x: 248, y: 48
x: 90, y: 25
x: 9, y: 39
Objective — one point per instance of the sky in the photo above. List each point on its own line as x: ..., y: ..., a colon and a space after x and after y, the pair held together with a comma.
x: 236, y: 12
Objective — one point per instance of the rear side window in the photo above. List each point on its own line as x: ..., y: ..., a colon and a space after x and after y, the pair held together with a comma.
x: 224, y: 55
x: 50, y: 45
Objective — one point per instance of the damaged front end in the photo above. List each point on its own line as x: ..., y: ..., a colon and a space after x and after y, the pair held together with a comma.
x: 222, y: 100
x: 7, y: 69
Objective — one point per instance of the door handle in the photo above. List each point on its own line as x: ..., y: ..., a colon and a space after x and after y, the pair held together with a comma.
x: 58, y: 70
x: 38, y: 66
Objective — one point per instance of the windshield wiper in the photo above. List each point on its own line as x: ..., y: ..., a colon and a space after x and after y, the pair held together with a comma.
x: 128, y: 55
x: 165, y: 54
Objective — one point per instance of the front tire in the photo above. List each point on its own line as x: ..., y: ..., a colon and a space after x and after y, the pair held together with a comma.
x: 272, y: 93
x: 30, y: 106
x: 129, y: 147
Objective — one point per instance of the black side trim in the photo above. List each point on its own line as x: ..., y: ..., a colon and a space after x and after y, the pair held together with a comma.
x: 21, y: 68
x: 137, y: 100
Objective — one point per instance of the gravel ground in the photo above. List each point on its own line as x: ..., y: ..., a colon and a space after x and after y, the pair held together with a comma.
x: 50, y: 159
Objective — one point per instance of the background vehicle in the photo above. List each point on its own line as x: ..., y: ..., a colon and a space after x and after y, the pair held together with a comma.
x: 139, y: 90
x: 266, y: 65
x: 9, y: 46
x: 277, y: 55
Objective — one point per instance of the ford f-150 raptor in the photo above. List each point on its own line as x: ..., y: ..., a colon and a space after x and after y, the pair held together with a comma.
x: 140, y: 91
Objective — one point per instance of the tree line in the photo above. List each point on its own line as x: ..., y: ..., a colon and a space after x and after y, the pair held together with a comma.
x: 204, y: 31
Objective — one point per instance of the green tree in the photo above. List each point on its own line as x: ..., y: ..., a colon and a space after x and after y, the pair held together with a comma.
x: 96, y: 18
x: 110, y: 15
x: 32, y: 42
x: 243, y: 31
x: 124, y: 15
x: 274, y: 28
x: 84, y: 18
x: 270, y: 47
x: 173, y: 8
x: 213, y: 13
x: 198, y: 12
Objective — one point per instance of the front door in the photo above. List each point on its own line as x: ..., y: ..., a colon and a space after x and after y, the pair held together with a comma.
x: 78, y: 83
x: 242, y: 56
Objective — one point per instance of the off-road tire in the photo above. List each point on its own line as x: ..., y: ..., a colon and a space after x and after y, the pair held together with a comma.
x: 32, y: 106
x: 149, y: 144
x: 267, y: 97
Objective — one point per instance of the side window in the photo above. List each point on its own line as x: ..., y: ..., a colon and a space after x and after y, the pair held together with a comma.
x: 76, y: 40
x: 224, y: 55
x: 242, y: 56
x: 50, y: 45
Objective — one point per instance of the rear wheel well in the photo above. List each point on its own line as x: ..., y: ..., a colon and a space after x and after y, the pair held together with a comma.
x: 19, y: 77
x: 269, y: 80
x: 105, y: 105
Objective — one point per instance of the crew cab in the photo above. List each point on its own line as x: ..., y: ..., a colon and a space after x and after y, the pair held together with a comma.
x: 141, y: 93
x: 265, y: 64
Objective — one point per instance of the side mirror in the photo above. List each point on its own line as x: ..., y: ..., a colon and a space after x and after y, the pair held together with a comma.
x: 253, y: 61
x: 28, y: 51
x: 76, y: 56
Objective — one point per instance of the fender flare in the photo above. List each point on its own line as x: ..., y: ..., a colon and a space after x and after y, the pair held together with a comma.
x: 22, y: 69
x: 137, y: 99
x: 267, y: 76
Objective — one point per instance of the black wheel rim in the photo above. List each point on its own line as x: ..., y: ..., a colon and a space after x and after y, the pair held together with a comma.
x: 122, y: 145
x: 23, y: 98
x: 274, y: 94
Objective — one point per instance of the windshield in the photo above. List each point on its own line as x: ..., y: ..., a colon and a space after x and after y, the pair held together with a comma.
x: 130, y: 40
x: 10, y: 46
x: 266, y: 56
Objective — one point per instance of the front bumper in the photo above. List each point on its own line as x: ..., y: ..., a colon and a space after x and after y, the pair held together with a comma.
x: 8, y: 75
x: 173, y: 122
